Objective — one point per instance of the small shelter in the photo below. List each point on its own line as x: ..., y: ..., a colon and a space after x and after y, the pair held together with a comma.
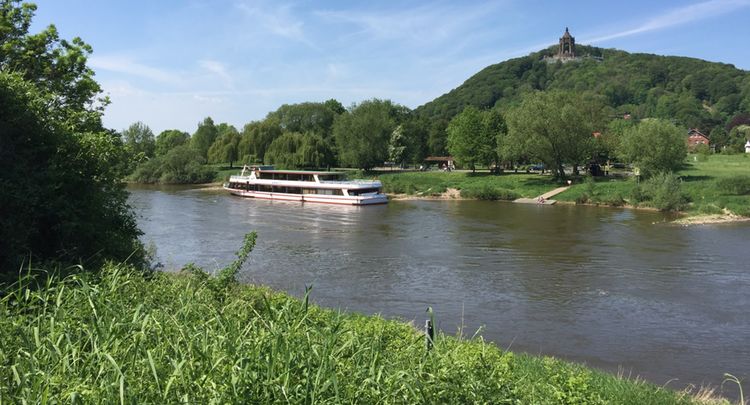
x: 695, y: 138
x: 747, y: 147
x: 442, y: 161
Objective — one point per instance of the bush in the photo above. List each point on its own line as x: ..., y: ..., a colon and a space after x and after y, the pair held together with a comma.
x: 181, y: 165
x: 487, y: 192
x: 739, y: 185
x: 665, y: 192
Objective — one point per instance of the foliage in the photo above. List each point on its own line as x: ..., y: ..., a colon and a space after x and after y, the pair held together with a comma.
x: 555, y: 127
x: 308, y: 117
x: 257, y: 137
x: 696, y: 93
x: 654, y: 146
x: 62, y: 198
x: 226, y: 146
x: 293, y: 150
x: 56, y: 67
x: 170, y: 139
x: 181, y: 165
x: 363, y: 133
x: 397, y: 146
x: 664, y: 191
x: 139, y: 142
x: 204, y: 136
x: 487, y: 192
x: 472, y: 137
x: 60, y: 170
x: 739, y: 185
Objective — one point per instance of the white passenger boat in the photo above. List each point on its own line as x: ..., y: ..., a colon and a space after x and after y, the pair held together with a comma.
x: 304, y: 186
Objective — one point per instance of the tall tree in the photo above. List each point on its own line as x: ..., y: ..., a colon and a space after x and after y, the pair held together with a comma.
x: 257, y: 137
x: 169, y: 139
x: 397, y: 146
x: 464, y: 137
x: 139, y: 141
x: 226, y: 146
x: 204, y: 137
x: 362, y: 135
x: 56, y: 66
x: 554, y: 127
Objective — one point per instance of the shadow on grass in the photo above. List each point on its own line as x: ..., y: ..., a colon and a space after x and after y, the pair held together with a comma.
x: 689, y: 179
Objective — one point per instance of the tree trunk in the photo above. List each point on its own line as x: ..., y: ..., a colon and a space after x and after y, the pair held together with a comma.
x: 560, y: 171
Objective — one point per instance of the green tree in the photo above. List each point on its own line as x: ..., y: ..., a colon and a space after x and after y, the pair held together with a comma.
x: 314, y: 152
x: 495, y: 130
x: 61, y: 172
x: 55, y: 66
x: 257, y: 137
x: 71, y: 208
x: 467, y: 138
x: 362, y: 135
x: 226, y: 146
x: 283, y: 151
x: 139, y: 141
x: 555, y: 127
x: 169, y: 139
x: 654, y: 145
x: 204, y: 137
x: 397, y: 146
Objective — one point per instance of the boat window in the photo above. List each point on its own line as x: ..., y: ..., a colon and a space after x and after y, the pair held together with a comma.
x: 329, y: 177
x: 322, y: 191
x: 364, y: 191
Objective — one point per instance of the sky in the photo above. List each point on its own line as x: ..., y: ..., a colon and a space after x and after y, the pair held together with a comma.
x: 169, y: 64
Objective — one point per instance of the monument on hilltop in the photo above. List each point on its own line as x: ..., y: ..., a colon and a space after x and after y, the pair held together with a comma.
x: 567, y: 49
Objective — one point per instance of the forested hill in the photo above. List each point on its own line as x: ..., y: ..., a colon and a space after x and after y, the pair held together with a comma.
x: 693, y: 92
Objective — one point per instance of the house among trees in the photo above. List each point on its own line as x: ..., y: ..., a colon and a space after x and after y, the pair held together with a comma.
x: 695, y: 138
x: 442, y: 161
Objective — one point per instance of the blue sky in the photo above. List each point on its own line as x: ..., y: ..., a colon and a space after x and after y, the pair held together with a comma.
x: 169, y: 64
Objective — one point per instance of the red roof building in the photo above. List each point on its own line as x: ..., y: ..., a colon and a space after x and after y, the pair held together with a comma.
x: 695, y: 138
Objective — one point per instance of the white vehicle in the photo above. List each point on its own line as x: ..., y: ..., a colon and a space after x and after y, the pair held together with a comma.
x: 304, y: 186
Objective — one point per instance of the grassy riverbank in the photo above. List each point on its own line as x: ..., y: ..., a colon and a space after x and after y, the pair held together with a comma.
x: 711, y: 185
x: 121, y: 337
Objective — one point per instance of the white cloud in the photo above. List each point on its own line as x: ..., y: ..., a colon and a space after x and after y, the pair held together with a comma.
x: 218, y: 69
x: 128, y: 66
x: 683, y: 15
x: 422, y: 23
x: 277, y: 20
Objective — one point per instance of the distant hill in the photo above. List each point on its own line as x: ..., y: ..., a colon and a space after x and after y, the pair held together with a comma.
x: 692, y: 92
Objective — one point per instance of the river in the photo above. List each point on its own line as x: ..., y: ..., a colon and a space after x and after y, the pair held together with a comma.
x: 616, y: 289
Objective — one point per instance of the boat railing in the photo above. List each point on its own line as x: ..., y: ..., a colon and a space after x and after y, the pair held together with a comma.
x: 350, y: 181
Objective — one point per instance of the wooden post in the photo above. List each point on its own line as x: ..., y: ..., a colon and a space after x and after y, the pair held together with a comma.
x: 429, y: 334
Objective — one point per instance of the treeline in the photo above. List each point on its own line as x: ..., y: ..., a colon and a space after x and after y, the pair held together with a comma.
x: 305, y: 135
x: 692, y: 93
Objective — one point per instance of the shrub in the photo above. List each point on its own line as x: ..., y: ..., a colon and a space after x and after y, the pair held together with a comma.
x: 487, y: 192
x: 665, y: 192
x: 739, y: 185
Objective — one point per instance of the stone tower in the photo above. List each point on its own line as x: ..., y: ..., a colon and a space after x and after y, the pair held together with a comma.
x: 567, y: 48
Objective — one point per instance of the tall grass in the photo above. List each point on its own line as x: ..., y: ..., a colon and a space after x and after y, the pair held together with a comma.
x: 124, y: 337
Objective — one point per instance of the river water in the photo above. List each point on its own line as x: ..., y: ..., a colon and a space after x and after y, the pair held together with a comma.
x: 616, y: 289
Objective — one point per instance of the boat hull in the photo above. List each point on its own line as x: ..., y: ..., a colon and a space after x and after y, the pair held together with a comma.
x: 312, y: 198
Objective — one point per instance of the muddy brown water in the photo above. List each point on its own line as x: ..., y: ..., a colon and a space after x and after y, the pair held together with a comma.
x: 616, y: 289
